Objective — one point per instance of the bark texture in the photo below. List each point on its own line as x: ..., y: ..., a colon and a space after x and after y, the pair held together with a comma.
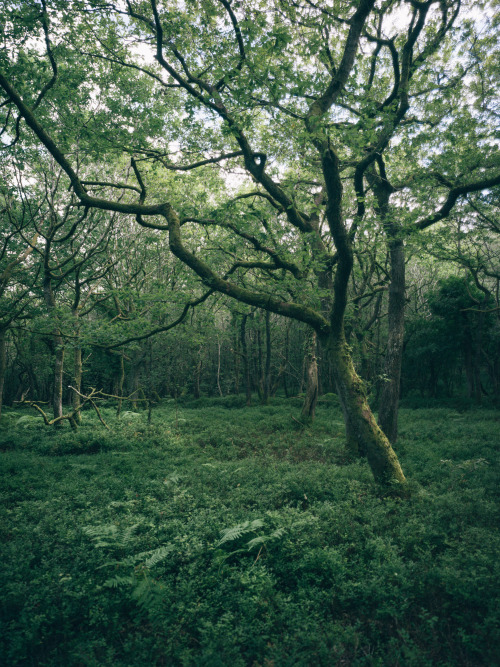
x: 389, y: 397
x: 246, y: 365
x: 57, y: 342
x: 381, y: 457
x: 57, y: 396
x: 267, y: 368
x: 78, y: 370
x: 311, y: 397
x: 3, y: 364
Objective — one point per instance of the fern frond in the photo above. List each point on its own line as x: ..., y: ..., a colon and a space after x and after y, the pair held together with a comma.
x: 149, y: 595
x: 276, y: 534
x: 102, y: 536
x: 110, y: 535
x: 126, y: 535
x: 172, y: 480
x: 264, y: 539
x: 235, y: 532
x: 157, y: 555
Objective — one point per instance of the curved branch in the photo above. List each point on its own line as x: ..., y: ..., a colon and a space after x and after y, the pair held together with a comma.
x: 201, y: 163
x: 211, y: 279
x: 106, y: 184
x: 239, y: 39
x: 453, y: 195
x: 264, y: 195
x: 60, y: 158
x: 190, y: 304
x: 323, y: 103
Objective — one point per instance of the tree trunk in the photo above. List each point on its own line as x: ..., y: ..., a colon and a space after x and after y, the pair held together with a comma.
x: 236, y: 359
x: 120, y: 383
x: 389, y: 397
x: 78, y: 383
x: 267, y: 370
x: 285, y: 385
x: 381, y: 457
x: 57, y: 345
x: 57, y: 396
x: 311, y: 397
x: 260, y: 366
x: 218, y: 367
x: 3, y: 364
x: 478, y: 392
x: 197, y: 378
x: 133, y: 381
x: 246, y: 365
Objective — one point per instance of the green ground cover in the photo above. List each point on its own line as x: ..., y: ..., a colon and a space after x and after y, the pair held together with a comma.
x: 220, y: 535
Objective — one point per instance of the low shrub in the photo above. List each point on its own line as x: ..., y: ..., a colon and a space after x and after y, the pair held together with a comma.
x: 209, y: 539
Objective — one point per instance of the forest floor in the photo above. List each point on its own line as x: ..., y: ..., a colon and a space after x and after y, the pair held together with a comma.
x: 222, y: 535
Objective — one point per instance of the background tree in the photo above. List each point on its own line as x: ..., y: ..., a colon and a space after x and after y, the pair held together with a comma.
x: 15, y: 289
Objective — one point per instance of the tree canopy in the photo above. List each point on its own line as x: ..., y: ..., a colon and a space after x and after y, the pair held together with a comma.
x: 285, y: 147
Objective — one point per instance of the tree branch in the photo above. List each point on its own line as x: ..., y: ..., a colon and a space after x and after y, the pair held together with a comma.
x: 453, y: 196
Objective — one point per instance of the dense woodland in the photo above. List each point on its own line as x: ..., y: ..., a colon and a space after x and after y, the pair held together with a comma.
x: 256, y: 203
x: 301, y: 160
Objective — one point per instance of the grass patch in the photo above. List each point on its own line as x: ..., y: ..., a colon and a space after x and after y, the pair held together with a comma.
x: 221, y: 534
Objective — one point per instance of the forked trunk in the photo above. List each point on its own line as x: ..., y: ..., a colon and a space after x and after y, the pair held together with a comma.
x: 381, y: 457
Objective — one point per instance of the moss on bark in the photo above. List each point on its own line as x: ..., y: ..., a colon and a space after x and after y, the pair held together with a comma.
x: 363, y: 427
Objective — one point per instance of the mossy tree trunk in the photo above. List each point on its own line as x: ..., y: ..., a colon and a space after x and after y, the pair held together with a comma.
x: 390, y: 388
x: 363, y: 427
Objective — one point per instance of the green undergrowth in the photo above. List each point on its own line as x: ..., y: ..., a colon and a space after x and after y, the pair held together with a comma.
x: 225, y: 535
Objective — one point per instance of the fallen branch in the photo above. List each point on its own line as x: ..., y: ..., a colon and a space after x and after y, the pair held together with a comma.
x: 93, y: 394
x: 70, y: 416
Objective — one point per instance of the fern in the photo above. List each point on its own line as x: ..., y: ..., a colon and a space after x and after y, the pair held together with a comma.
x: 235, y: 532
x: 263, y: 539
x: 172, y: 480
x: 157, y: 555
x: 137, y: 584
x: 110, y: 535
